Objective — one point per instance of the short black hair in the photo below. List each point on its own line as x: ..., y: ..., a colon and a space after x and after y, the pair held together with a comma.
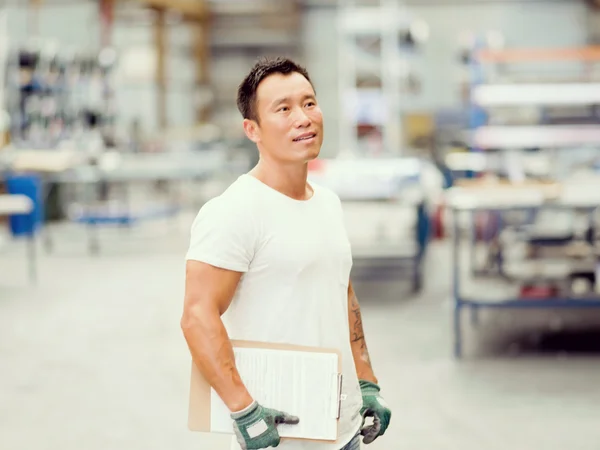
x: 246, y: 96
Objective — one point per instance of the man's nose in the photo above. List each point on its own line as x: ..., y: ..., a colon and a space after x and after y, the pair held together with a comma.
x: 302, y: 119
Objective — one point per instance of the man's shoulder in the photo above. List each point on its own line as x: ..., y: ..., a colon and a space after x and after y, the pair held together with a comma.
x: 327, y: 193
x: 236, y: 195
x: 233, y: 204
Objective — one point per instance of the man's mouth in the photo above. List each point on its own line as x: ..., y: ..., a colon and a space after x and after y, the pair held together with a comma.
x: 305, y: 137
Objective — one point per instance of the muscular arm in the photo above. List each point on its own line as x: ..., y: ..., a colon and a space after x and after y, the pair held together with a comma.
x: 357, y: 339
x: 208, y: 294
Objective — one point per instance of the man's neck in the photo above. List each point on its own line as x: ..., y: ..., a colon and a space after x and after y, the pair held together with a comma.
x: 290, y: 179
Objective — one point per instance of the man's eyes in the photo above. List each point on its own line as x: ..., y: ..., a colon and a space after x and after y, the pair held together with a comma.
x: 286, y: 108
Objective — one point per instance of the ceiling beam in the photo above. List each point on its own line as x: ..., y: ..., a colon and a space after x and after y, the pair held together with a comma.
x: 190, y: 9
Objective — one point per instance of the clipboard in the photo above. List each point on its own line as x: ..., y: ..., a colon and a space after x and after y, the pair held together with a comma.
x: 208, y: 414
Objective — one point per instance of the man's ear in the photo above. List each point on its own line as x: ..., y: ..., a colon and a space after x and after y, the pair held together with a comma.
x: 252, y: 130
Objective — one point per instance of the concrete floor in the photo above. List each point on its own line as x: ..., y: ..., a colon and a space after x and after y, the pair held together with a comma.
x: 92, y: 358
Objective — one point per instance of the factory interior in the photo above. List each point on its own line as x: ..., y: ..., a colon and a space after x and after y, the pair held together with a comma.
x: 461, y: 136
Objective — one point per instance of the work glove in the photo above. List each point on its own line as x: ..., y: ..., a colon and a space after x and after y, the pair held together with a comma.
x: 373, y: 406
x: 256, y: 426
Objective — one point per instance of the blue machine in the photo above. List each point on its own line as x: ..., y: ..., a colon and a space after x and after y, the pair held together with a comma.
x: 31, y: 186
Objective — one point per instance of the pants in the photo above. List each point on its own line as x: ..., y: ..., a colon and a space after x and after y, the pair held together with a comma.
x: 354, y: 444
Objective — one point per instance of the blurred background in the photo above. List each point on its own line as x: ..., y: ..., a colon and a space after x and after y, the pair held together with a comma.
x: 462, y: 136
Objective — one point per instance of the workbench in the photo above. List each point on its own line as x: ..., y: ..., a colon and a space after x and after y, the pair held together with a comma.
x: 502, y: 201
x: 385, y: 207
x: 87, y: 179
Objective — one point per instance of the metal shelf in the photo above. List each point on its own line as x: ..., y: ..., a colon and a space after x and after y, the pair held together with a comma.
x: 488, y: 98
x: 374, y: 20
x: 386, y: 22
x: 501, y: 287
x: 545, y: 136
x: 559, y: 302
x: 536, y: 94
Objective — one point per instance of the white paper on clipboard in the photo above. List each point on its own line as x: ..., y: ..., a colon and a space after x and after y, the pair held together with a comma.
x: 303, y: 383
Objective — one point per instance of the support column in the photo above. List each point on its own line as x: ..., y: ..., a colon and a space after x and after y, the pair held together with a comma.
x: 160, y: 43
x: 33, y: 17
x: 202, y: 60
x: 107, y: 8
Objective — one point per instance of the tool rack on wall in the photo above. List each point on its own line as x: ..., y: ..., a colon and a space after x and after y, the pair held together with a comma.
x: 53, y: 94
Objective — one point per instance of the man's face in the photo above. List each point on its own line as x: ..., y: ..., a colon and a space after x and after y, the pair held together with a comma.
x: 290, y: 128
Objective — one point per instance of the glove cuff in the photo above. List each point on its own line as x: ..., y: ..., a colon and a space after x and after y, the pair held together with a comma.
x: 369, y: 387
x: 246, y: 412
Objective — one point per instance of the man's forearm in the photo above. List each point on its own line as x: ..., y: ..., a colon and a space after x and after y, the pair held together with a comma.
x: 212, y: 353
x: 358, y: 343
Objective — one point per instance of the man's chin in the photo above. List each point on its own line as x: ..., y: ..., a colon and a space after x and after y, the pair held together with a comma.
x: 309, y: 155
x: 313, y: 156
x: 305, y: 156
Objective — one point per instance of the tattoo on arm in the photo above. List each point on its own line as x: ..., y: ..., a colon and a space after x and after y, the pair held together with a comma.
x: 357, y: 334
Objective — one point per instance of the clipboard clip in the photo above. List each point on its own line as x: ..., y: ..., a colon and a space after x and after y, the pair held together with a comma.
x: 337, y: 404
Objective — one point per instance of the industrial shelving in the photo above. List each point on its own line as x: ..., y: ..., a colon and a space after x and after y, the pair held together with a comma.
x: 492, y: 91
x: 373, y: 65
x: 374, y: 46
x: 545, y: 92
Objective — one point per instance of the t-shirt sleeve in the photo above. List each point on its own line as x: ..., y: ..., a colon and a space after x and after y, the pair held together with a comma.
x: 222, y: 237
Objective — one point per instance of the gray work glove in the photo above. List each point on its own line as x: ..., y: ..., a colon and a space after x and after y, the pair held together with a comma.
x: 373, y: 406
x: 256, y: 426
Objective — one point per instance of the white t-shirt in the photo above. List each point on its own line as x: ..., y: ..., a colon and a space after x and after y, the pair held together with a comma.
x: 296, y: 260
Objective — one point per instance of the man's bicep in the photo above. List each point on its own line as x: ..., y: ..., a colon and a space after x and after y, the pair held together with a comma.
x: 208, y: 287
x: 352, y: 300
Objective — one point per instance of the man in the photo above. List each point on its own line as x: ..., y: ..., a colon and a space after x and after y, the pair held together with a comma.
x: 269, y: 260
